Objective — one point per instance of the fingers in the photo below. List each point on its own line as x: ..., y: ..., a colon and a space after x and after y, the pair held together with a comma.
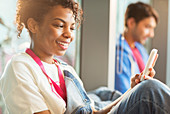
x: 147, y: 77
x: 135, y: 80
x: 150, y: 75
x: 152, y: 72
x: 134, y: 77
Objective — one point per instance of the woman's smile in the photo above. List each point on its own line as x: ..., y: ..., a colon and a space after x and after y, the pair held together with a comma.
x: 64, y: 44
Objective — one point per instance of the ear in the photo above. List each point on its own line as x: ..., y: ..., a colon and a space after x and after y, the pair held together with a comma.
x: 32, y: 25
x: 131, y: 22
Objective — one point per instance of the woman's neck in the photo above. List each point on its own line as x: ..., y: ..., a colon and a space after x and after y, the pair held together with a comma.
x: 42, y: 55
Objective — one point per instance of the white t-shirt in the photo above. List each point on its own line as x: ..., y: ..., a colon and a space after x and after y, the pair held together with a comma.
x: 25, y: 88
x: 52, y: 71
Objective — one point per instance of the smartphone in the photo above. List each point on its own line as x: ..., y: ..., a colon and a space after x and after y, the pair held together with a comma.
x: 150, y: 63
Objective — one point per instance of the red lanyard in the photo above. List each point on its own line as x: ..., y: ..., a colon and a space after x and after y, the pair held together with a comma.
x: 60, y: 90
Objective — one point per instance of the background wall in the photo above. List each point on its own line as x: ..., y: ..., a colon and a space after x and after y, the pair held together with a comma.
x: 160, y: 40
x: 94, y: 51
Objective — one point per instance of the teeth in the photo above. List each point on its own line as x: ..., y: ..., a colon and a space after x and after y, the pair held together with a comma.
x: 64, y: 44
x: 68, y: 40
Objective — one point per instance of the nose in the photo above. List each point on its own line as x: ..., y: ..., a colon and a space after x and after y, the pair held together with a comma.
x: 67, y: 33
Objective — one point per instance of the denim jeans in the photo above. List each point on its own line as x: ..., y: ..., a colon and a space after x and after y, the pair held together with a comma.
x: 148, y: 97
x: 103, y: 96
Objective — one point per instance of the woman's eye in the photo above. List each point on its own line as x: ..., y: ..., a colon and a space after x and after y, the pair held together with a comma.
x: 58, y: 25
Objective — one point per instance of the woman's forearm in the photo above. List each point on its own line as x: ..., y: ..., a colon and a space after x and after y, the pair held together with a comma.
x: 43, y: 112
x: 107, y: 109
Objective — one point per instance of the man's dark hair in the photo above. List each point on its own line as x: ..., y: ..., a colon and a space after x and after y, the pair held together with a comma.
x: 140, y: 11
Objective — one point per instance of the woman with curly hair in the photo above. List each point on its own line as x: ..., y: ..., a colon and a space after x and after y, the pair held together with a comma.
x: 34, y: 82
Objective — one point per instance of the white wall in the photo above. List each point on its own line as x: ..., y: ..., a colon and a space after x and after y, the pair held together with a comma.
x: 112, y: 43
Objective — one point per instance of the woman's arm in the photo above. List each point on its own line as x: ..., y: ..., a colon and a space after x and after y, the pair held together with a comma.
x: 44, y: 112
x: 106, y: 109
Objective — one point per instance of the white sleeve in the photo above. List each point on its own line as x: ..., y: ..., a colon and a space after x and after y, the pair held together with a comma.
x: 20, y: 92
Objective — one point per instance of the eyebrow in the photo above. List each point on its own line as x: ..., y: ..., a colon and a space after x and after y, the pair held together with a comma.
x: 60, y: 20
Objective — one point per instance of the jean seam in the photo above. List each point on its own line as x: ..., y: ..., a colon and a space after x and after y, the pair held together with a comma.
x: 151, y: 101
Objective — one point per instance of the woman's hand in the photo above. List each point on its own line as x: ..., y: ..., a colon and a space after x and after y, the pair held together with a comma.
x: 136, y: 79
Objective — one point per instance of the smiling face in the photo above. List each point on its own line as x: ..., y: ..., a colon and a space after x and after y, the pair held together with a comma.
x: 54, y: 34
x: 143, y: 30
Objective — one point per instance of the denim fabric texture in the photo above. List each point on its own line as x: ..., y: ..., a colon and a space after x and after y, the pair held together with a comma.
x: 103, y: 96
x: 148, y: 97
x: 77, y: 100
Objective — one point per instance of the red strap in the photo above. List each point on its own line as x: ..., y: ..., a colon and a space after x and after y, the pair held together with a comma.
x: 61, y: 78
x: 60, y: 90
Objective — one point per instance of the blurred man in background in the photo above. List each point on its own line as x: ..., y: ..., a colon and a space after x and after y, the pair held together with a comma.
x: 131, y: 56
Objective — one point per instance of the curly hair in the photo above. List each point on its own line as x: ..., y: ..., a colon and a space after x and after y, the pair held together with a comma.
x: 140, y: 11
x: 36, y: 9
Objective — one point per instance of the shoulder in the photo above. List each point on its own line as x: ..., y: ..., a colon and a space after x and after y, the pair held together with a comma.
x: 20, y: 64
x: 22, y: 61
x: 123, y: 46
x: 66, y: 67
x: 61, y: 62
x: 139, y: 45
x: 21, y: 57
x: 17, y: 58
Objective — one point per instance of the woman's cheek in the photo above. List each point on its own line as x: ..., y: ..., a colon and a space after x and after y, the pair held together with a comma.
x: 57, y: 32
x: 72, y: 36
